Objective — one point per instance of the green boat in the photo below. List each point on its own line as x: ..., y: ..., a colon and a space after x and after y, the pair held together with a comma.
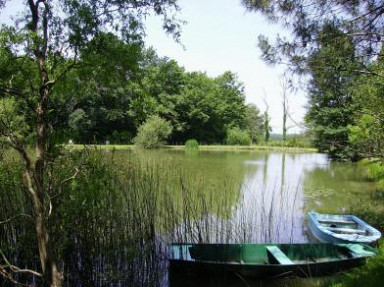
x: 263, y: 261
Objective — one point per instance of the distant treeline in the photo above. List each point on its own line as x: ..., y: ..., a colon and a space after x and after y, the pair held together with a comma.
x: 117, y: 86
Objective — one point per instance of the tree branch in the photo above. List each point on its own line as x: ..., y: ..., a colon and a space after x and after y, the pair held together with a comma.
x: 14, y: 269
x: 14, y: 217
x: 77, y: 170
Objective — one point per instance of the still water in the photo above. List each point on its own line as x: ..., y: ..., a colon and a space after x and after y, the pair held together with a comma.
x: 256, y: 197
x: 270, y: 195
x: 112, y: 225
x: 273, y: 191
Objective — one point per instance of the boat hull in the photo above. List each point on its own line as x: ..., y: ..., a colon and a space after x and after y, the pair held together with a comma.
x: 328, y: 228
x: 219, y: 259
x: 264, y: 271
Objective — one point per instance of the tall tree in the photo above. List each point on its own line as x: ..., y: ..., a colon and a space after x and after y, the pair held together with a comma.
x: 254, y: 122
x: 353, y: 29
x: 367, y: 133
x: 49, y: 36
x: 362, y: 21
x: 284, y: 85
x: 266, y: 122
x: 331, y: 105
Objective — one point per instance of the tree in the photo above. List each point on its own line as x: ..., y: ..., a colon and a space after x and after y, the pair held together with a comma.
x: 266, y: 126
x: 361, y: 21
x: 236, y: 136
x: 43, y: 48
x: 254, y: 122
x: 266, y: 122
x: 201, y: 107
x: 366, y: 134
x: 153, y: 133
x: 353, y: 29
x: 284, y: 84
x: 331, y: 106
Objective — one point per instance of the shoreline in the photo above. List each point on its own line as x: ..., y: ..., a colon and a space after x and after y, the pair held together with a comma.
x: 203, y: 148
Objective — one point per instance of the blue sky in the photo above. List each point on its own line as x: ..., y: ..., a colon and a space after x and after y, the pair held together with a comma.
x: 221, y: 36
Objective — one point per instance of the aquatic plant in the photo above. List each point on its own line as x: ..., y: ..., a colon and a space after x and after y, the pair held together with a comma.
x: 192, y: 144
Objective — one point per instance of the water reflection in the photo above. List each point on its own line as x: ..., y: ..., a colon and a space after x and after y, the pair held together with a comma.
x: 273, y: 197
x: 118, y: 235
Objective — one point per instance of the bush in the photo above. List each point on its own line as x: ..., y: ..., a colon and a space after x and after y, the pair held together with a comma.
x: 373, y: 212
x: 236, y: 136
x: 376, y: 171
x: 371, y: 274
x: 191, y: 144
x: 153, y: 133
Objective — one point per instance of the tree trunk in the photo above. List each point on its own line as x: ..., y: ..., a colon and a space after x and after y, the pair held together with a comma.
x: 51, y: 275
x: 285, y: 124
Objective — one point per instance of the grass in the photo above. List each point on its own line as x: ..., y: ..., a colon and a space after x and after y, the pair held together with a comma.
x: 204, y: 147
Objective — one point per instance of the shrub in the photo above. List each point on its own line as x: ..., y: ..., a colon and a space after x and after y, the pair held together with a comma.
x: 236, y: 136
x: 191, y: 144
x: 376, y: 171
x: 371, y: 274
x: 373, y: 212
x: 153, y: 133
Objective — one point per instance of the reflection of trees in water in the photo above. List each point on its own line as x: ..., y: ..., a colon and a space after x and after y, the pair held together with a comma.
x: 270, y: 208
x: 273, y: 203
x: 117, y: 222
x: 117, y: 218
x: 334, y: 187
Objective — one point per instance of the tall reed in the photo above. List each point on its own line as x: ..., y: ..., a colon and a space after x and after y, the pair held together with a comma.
x: 112, y: 223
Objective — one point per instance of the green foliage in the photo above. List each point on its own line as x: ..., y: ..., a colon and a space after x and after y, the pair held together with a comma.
x: 345, y: 71
x: 266, y: 126
x: 104, y: 104
x: 153, y: 133
x: 191, y: 144
x: 367, y: 133
x: 254, y: 123
x: 376, y: 171
x: 331, y: 106
x: 12, y: 121
x: 236, y: 136
x: 307, y: 19
x: 291, y: 142
x: 371, y: 274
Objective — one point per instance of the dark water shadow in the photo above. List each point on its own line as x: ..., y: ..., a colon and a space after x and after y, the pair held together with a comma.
x: 204, y: 279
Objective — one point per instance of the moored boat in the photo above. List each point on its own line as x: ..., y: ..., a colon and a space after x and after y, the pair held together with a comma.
x: 268, y: 260
x: 341, y: 229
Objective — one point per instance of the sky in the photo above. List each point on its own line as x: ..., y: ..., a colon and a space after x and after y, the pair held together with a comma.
x: 221, y: 36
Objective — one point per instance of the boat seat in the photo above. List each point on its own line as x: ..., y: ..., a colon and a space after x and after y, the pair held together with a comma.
x: 359, y: 250
x: 279, y: 255
x: 347, y: 230
x: 336, y: 221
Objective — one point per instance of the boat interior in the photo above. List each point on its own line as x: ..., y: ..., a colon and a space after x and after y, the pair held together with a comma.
x: 342, y: 226
x: 283, y: 254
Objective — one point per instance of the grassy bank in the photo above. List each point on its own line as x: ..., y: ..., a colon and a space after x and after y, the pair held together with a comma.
x: 205, y: 147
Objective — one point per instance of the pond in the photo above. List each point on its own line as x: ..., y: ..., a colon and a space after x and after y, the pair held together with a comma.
x: 271, y: 191
x: 255, y: 196
x: 112, y: 226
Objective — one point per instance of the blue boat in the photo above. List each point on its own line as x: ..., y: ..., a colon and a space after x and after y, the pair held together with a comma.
x: 330, y: 228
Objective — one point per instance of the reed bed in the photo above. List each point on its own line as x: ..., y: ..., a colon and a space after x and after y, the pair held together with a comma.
x: 112, y: 224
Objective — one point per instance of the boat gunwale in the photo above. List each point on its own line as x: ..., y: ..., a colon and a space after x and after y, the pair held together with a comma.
x: 354, y: 256
x: 373, y: 236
